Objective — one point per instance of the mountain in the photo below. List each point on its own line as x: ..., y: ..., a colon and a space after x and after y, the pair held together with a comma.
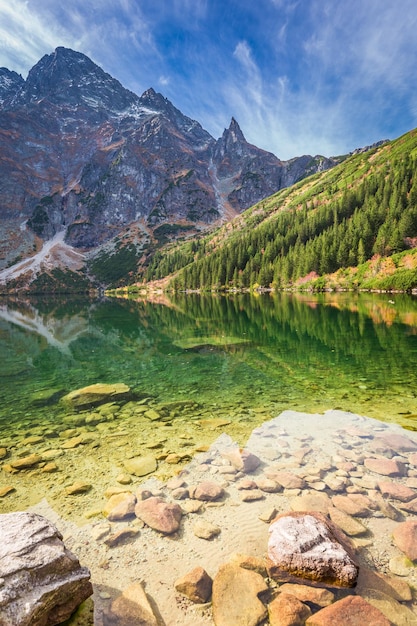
x: 91, y: 170
x: 354, y: 226
x: 10, y: 84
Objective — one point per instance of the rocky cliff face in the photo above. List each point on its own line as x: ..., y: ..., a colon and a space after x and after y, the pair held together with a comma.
x: 82, y: 155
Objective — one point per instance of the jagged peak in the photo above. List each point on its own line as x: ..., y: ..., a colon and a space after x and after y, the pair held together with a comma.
x: 10, y: 84
x: 69, y: 76
x: 234, y: 132
x: 149, y: 93
x: 234, y: 125
x: 156, y: 99
x: 58, y: 59
x: 6, y: 72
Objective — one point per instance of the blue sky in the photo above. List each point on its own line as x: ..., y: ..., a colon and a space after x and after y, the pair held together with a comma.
x: 300, y: 76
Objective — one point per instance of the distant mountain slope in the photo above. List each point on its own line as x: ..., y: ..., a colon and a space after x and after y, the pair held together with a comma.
x: 83, y: 156
x: 364, y: 208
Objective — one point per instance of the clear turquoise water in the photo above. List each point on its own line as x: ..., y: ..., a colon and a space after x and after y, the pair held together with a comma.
x: 235, y: 356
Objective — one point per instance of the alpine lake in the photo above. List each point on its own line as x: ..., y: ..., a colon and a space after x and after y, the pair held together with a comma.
x: 197, y: 366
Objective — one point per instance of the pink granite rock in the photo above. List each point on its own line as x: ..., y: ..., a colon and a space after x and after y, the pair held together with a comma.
x: 410, y: 507
x: 287, y: 610
x: 351, y: 506
x: 207, y: 491
x: 405, y: 537
x: 196, y: 585
x: 246, y: 483
x: 399, y: 443
x: 385, y: 467
x: 351, y: 611
x: 309, y: 547
x: 267, y: 485
x: 159, y: 515
x: 397, y: 491
x: 288, y: 480
x: 313, y: 595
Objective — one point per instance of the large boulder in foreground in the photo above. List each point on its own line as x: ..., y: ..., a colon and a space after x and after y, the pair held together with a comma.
x: 93, y: 395
x: 42, y: 582
x: 307, y: 547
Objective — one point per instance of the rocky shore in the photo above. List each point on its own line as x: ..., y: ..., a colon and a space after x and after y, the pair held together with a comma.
x: 152, y: 545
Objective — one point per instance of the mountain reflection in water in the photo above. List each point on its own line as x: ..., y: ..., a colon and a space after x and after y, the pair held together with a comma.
x: 238, y: 356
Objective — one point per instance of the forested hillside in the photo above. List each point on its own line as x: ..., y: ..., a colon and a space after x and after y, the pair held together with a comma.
x: 363, y: 209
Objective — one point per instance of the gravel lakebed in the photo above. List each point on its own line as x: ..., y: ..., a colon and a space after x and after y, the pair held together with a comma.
x: 337, y: 463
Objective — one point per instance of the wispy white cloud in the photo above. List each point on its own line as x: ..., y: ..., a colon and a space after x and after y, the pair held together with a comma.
x: 193, y: 10
x: 354, y: 66
x: 25, y: 35
x: 252, y: 75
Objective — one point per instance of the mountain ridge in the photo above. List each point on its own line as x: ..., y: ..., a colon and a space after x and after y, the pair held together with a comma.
x: 351, y: 227
x: 80, y: 154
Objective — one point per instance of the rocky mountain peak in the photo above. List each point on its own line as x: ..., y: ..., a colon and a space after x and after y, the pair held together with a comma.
x: 10, y: 83
x: 69, y: 77
x: 155, y: 101
x: 235, y: 132
x: 232, y: 142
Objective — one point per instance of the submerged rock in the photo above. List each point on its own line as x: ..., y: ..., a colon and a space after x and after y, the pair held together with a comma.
x: 26, y: 462
x: 396, y: 491
x: 405, y: 537
x: 287, y: 610
x: 132, y: 607
x: 120, y: 506
x: 236, y: 597
x: 4, y: 491
x: 307, y: 546
x: 196, y: 585
x: 121, y: 536
x: 351, y: 611
x: 351, y: 526
x: 42, y: 582
x: 141, y: 465
x: 78, y: 488
x: 206, y: 491
x: 385, y: 467
x: 206, y: 530
x: 242, y: 460
x: 393, y: 587
x: 399, y: 443
x: 159, y: 515
x: 394, y: 611
x: 94, y: 395
x: 312, y: 595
